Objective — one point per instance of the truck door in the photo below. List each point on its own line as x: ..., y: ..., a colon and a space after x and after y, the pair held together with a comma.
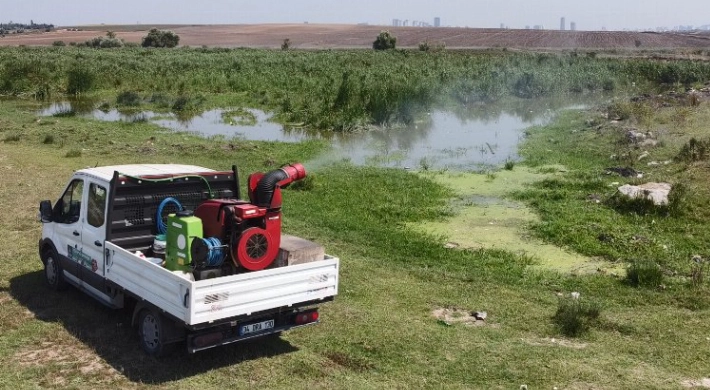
x: 67, y: 215
x: 91, y: 267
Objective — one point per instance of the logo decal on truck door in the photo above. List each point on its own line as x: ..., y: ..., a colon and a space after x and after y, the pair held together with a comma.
x: 82, y: 258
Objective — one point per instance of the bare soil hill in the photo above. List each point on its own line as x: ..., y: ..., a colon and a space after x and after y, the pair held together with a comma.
x: 320, y: 36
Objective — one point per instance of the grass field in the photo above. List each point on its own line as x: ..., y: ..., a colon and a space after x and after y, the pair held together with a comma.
x: 382, y: 331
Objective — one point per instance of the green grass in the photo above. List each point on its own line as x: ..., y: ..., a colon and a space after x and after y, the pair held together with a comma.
x: 616, y: 229
x: 380, y: 331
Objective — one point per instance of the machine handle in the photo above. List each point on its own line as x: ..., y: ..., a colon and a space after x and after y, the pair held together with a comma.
x: 75, y: 233
x: 98, y: 243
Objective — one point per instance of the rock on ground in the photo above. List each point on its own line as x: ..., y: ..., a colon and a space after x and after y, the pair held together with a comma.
x: 655, y: 192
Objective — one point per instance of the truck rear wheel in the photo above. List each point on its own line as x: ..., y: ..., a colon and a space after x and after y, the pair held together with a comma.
x: 152, y: 333
x: 53, y: 272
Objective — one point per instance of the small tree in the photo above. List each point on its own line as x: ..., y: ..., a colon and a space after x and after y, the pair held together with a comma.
x: 158, y: 38
x: 286, y: 44
x: 384, y: 41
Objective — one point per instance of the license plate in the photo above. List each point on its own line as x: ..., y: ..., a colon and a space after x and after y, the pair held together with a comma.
x: 256, y: 327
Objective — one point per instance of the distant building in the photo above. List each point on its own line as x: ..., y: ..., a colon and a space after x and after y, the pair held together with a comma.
x: 437, y: 22
x: 527, y: 27
x: 573, y: 26
x: 396, y: 22
x: 562, y: 23
x: 405, y: 22
x: 538, y: 27
x: 502, y: 26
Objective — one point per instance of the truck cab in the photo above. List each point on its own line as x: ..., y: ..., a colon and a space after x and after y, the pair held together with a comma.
x: 101, y: 237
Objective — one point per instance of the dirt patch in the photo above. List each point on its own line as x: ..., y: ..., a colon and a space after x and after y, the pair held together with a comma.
x: 5, y: 298
x: 547, y: 342
x: 450, y: 316
x: 702, y: 383
x: 71, y: 360
x: 351, y: 362
x: 361, y: 36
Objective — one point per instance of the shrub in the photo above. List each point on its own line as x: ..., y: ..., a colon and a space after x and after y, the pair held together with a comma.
x: 286, y: 44
x: 79, y: 80
x: 694, y: 150
x: 186, y: 103
x: 509, y: 165
x: 48, y: 139
x: 575, y: 316
x: 12, y: 138
x: 109, y: 41
x: 609, y: 84
x: 128, y: 98
x: 73, y: 153
x: 436, y: 47
x: 697, y: 271
x: 644, y: 273
x: 58, y: 43
x: 530, y: 85
x: 23, y: 75
x: 159, y: 38
x: 161, y: 100
x: 384, y: 41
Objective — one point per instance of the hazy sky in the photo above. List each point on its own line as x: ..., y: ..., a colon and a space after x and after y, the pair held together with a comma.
x: 588, y: 14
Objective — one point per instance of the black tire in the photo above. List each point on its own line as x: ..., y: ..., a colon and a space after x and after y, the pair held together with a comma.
x: 151, y: 333
x: 53, y: 272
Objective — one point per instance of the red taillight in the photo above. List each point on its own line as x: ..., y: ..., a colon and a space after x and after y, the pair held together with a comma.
x: 306, y: 317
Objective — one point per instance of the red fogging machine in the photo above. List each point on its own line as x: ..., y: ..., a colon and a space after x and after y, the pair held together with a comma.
x: 251, y: 231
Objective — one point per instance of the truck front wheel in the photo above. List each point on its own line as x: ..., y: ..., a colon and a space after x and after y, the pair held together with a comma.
x: 53, y: 272
x: 152, y: 333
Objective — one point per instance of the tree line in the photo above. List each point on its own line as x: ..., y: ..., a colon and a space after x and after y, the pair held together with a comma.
x: 7, y: 28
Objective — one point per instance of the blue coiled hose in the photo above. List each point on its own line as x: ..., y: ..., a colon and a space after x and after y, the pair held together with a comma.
x: 216, y: 255
x: 162, y: 227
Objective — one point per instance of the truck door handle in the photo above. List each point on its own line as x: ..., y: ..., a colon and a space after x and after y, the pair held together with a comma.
x: 75, y: 233
x: 97, y: 243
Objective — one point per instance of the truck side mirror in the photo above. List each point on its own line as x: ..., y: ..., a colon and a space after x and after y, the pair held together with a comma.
x: 45, y: 211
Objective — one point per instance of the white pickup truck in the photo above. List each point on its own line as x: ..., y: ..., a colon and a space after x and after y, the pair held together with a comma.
x: 92, y: 236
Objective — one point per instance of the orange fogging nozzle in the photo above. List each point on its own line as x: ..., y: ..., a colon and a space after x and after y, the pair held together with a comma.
x: 295, y: 171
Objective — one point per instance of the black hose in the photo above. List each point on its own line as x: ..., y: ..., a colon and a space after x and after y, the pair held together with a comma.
x: 267, y: 185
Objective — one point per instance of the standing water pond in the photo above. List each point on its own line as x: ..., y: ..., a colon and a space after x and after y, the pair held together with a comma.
x: 471, y: 137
